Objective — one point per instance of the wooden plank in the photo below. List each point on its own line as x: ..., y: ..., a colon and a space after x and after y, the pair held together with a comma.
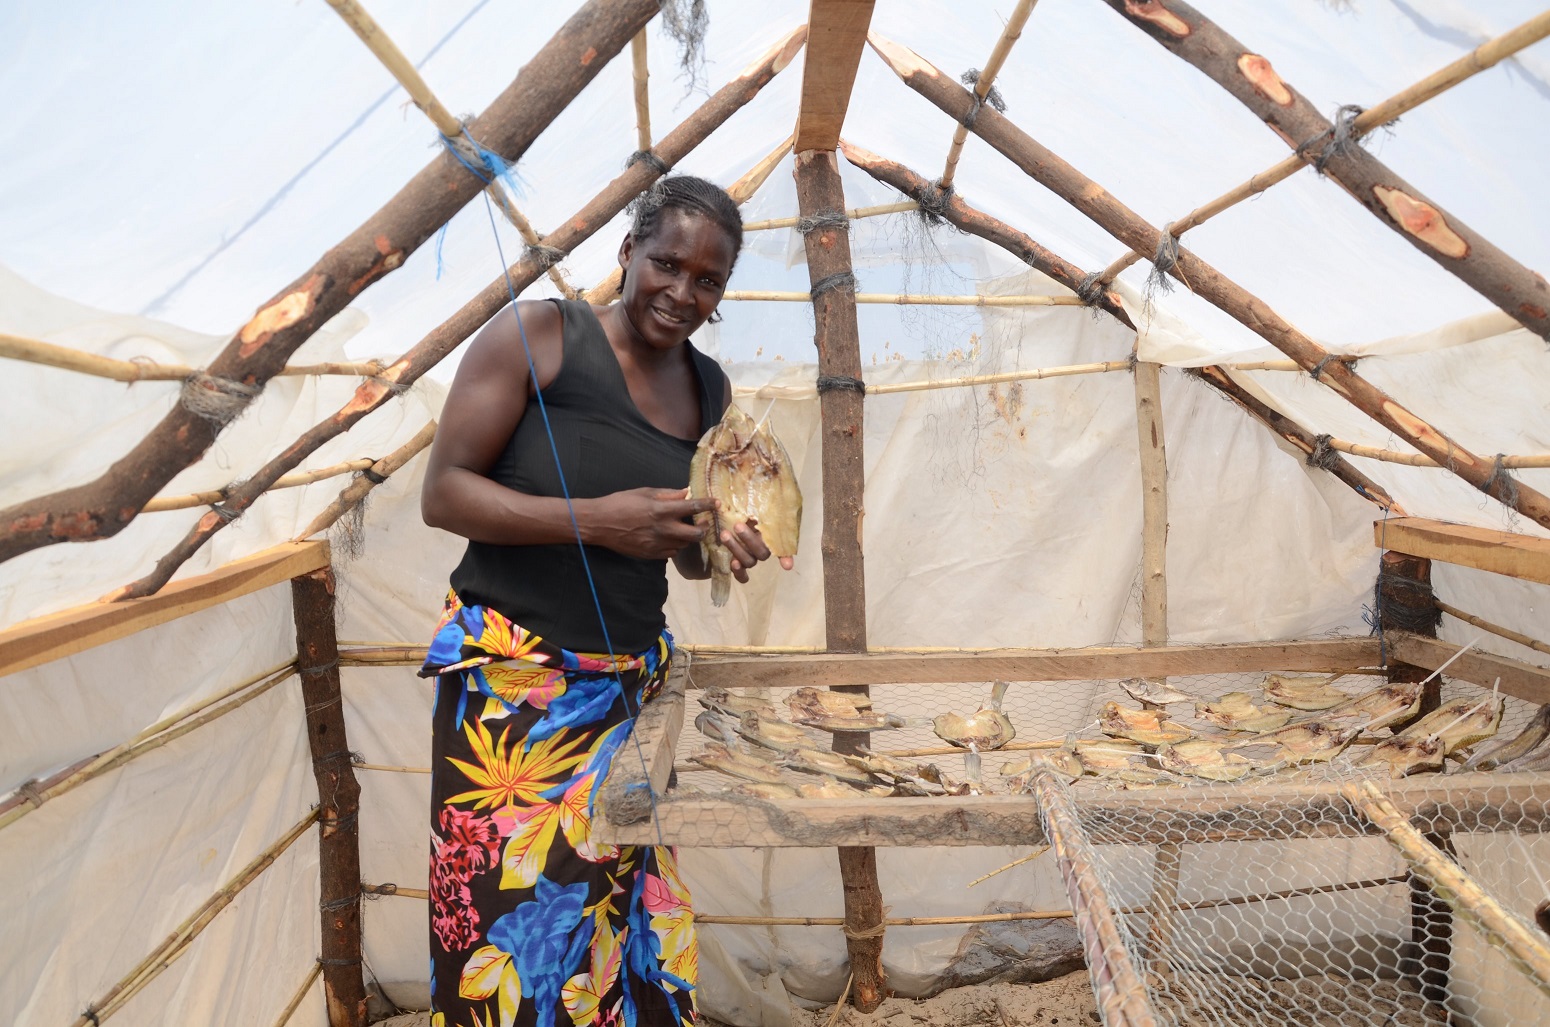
x: 1178, y: 814
x: 42, y: 639
x: 626, y: 795
x: 1097, y: 663
x: 1520, y: 680
x: 1486, y: 549
x: 836, y: 35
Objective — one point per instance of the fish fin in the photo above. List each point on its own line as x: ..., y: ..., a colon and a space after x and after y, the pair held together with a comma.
x: 720, y: 588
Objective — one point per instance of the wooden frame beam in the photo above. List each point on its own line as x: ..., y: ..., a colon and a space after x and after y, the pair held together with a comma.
x: 51, y: 637
x: 1096, y: 663
x: 1519, y: 680
x: 1486, y: 549
x: 837, y: 31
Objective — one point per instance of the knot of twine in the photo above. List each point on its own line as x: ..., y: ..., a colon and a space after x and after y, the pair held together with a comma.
x: 31, y: 792
x: 1318, y: 368
x: 340, y: 756
x: 484, y: 164
x: 1324, y: 456
x: 823, y: 219
x: 870, y: 932
x: 840, y: 383
x: 933, y: 200
x: 1338, y: 141
x: 352, y: 961
x: 372, y: 476
x: 1091, y: 288
x: 1163, y: 260
x: 338, y: 822
x: 656, y: 163
x: 217, y: 400
x: 840, y: 280
x: 992, y: 98
x: 1501, y: 477
x: 1405, y: 603
x: 321, y: 668
x: 338, y: 904
x: 225, y: 513
x: 376, y: 891
x: 545, y: 256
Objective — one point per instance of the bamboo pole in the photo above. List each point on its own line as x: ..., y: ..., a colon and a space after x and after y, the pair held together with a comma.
x: 353, y: 494
x: 176, y: 943
x: 1389, y: 456
x: 102, y: 507
x: 607, y: 290
x: 967, y: 219
x: 1249, y: 77
x: 285, y: 481
x: 1124, y: 224
x: 642, y: 94
x: 1012, y: 31
x: 1527, y: 951
x: 1033, y: 374
x: 1484, y: 56
x: 1495, y: 629
x: 446, y: 337
x: 339, y: 798
x: 34, y: 794
x: 392, y: 768
x: 1121, y: 995
x: 36, y: 351
x: 907, y: 299
x: 408, y: 76
x: 854, y: 214
x: 299, y: 996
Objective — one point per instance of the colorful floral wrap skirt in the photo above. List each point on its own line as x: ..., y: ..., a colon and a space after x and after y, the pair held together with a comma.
x: 532, y: 921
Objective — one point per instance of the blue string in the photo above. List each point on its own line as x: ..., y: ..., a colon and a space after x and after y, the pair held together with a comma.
x: 586, y: 566
x: 441, y: 238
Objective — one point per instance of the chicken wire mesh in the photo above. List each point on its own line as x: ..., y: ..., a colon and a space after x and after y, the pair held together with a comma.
x: 1270, y: 899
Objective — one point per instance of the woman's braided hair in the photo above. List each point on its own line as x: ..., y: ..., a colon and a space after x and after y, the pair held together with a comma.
x: 693, y: 196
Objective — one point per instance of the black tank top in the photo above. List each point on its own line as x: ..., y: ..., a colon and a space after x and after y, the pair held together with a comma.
x: 605, y: 445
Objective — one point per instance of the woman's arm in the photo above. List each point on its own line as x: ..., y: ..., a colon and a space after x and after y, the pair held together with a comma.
x: 489, y: 397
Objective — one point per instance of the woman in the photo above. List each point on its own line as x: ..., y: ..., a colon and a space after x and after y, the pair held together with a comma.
x: 532, y: 922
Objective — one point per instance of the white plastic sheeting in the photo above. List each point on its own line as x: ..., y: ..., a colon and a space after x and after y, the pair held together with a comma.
x: 1005, y: 516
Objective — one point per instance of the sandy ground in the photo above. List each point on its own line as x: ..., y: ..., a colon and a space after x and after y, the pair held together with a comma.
x: 1064, y: 1002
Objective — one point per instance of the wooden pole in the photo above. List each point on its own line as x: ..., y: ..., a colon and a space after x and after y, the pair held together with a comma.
x: 838, y: 341
x: 1495, y: 629
x: 339, y: 798
x: 450, y: 333
x: 908, y: 299
x: 1528, y: 951
x: 1250, y: 78
x: 544, y: 87
x: 967, y: 219
x: 36, y: 351
x: 1010, y: 33
x: 1154, y: 505
x: 1208, y: 283
x: 853, y: 213
x: 642, y: 93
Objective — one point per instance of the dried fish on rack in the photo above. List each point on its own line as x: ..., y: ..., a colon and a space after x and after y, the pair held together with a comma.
x: 742, y: 465
x: 816, y: 761
x: 1522, y: 748
x: 1384, y: 705
x: 1100, y: 758
x: 1150, y: 727
x: 735, y: 764
x: 1155, y: 693
x: 1304, y: 692
x: 772, y: 732
x: 1063, y: 763
x: 981, y: 731
x: 860, y: 722
x: 735, y: 704
x: 809, y: 702
x: 1307, y: 741
x: 1203, y: 759
x: 1236, y: 712
x: 1453, y: 725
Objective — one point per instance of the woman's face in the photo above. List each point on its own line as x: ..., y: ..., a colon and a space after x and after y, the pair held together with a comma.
x: 675, y: 277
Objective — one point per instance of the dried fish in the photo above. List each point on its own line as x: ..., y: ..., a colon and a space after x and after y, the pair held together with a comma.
x: 985, y: 729
x: 1307, y: 741
x: 1107, y: 757
x: 743, y: 465
x: 1237, y: 712
x: 734, y: 764
x: 772, y: 732
x: 1150, y: 727
x: 1203, y: 759
x: 1157, y: 693
x: 828, y: 788
x: 1063, y: 762
x: 1384, y: 705
x: 858, y: 722
x: 1453, y: 725
x: 719, y: 727
x: 816, y: 761
x: 735, y: 704
x: 1519, y: 748
x: 821, y: 702
x: 1303, y: 691
x: 765, y: 791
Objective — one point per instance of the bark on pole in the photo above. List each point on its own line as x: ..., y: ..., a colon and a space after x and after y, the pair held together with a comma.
x: 446, y: 337
x: 1210, y: 284
x: 966, y: 219
x: 838, y: 340
x: 339, y: 798
x: 260, y: 348
x: 1249, y: 77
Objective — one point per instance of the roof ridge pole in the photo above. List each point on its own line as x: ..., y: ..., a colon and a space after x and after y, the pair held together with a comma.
x: 839, y: 29
x: 1484, y: 56
x: 542, y: 89
x: 446, y: 337
x: 965, y: 218
x: 1184, y: 31
x: 408, y: 76
x: 1128, y: 227
x: 984, y: 82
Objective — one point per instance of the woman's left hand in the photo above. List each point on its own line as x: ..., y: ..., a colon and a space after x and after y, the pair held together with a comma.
x: 748, y: 548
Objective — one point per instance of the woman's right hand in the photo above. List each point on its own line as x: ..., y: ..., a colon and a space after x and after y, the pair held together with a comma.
x: 648, y: 523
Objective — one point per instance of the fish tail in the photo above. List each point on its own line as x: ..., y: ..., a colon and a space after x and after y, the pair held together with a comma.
x: 720, y: 588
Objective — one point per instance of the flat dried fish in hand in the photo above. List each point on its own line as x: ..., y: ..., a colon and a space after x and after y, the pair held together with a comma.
x: 1237, y: 712
x: 1150, y: 727
x: 734, y: 764
x: 808, y: 701
x: 1158, y: 693
x: 742, y: 464
x: 1304, y: 692
x: 985, y: 729
x: 1453, y: 725
x: 1518, y: 748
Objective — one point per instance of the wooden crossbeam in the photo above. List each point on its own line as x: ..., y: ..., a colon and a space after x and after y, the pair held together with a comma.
x: 836, y: 33
x: 1486, y: 549
x: 1519, y: 680
x: 79, y: 628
